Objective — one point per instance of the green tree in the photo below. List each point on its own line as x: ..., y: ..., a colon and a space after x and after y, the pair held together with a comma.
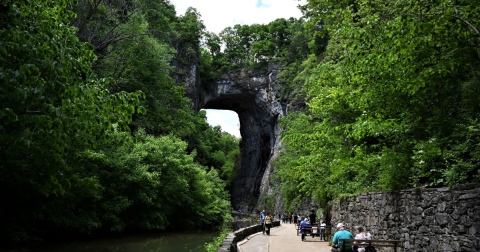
x: 189, y: 29
x: 149, y: 184
x: 50, y: 100
x: 392, y: 103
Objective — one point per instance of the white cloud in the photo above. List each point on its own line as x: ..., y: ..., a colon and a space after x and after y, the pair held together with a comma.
x: 219, y: 14
x: 227, y: 119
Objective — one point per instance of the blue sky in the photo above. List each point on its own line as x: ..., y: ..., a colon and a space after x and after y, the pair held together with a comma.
x: 261, y: 4
x: 219, y: 14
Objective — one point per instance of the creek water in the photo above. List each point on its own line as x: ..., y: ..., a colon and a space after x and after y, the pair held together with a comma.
x: 152, y: 242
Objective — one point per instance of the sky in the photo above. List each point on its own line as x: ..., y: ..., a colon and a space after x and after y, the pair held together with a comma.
x: 227, y: 119
x: 220, y: 14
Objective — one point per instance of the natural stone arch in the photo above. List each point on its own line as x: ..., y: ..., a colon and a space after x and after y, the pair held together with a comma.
x: 254, y: 96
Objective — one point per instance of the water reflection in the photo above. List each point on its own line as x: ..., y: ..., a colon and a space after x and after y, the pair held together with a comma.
x: 160, y: 242
x: 190, y: 241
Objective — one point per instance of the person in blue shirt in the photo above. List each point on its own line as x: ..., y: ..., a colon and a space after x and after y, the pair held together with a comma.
x: 341, y: 234
x: 262, y: 220
x: 304, y: 224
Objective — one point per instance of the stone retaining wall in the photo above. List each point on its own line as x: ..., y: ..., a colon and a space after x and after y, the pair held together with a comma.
x: 432, y: 219
x: 230, y: 242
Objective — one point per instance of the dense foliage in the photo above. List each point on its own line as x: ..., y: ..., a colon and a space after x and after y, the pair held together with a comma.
x: 50, y: 100
x: 255, y: 46
x: 214, y: 148
x: 95, y: 134
x: 149, y: 184
x: 288, y: 42
x: 393, y: 101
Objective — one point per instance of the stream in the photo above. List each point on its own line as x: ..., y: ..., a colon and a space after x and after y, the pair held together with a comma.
x: 173, y: 241
x: 151, y: 242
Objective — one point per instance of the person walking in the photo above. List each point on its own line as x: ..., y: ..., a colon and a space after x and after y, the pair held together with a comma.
x: 322, y: 231
x: 341, y: 234
x: 262, y: 220
x: 295, y: 218
x: 290, y: 218
x: 268, y: 223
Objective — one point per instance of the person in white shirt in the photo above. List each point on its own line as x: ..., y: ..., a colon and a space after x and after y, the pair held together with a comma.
x: 322, y: 230
x: 362, y: 235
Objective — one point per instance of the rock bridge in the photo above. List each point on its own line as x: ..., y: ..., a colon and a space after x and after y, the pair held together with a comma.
x: 255, y: 97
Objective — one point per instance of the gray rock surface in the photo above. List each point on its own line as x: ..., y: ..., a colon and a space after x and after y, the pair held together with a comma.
x: 433, y: 219
x: 251, y: 95
x: 256, y: 97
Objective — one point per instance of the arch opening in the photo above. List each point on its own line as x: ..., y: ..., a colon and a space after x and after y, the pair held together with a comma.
x: 256, y: 97
x: 258, y: 140
x: 226, y: 119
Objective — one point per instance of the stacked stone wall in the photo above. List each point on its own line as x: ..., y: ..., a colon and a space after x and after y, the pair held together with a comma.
x: 432, y: 219
x: 230, y: 242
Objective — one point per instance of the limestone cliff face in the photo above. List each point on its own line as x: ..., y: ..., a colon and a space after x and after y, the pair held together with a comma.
x: 255, y: 97
x: 186, y: 73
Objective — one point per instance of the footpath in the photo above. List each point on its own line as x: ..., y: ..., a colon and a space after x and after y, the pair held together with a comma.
x: 283, y: 239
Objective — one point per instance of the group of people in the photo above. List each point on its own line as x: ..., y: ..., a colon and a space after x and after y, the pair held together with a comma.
x: 361, y: 234
x: 312, y: 218
x: 266, y: 220
x: 286, y: 217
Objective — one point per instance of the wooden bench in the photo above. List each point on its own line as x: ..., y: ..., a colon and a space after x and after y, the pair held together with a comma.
x: 317, y: 231
x: 298, y: 227
x: 371, y: 243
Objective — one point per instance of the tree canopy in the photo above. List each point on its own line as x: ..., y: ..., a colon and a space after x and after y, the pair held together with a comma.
x: 392, y: 102
x: 95, y: 133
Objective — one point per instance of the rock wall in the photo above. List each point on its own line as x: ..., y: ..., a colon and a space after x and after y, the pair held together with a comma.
x: 186, y: 73
x: 252, y: 96
x: 438, y: 219
x: 256, y: 96
x: 230, y: 242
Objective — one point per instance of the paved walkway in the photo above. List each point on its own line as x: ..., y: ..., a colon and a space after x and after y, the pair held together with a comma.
x: 284, y: 239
